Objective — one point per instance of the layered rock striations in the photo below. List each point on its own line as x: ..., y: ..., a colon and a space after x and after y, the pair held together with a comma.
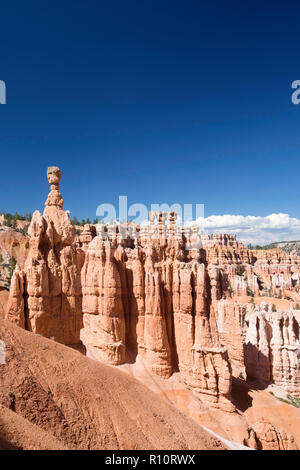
x: 272, y: 273
x: 151, y: 298
x: 262, y: 342
x: 162, y: 295
x: 13, y: 248
x: 103, y: 319
x: 45, y: 295
x: 175, y: 308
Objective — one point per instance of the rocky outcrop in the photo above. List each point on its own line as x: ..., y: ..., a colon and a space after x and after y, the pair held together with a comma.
x: 160, y: 294
x: 3, y: 301
x: 272, y: 273
x: 272, y: 348
x: 265, y: 436
x: 14, y: 247
x: 232, y: 329
x: 150, y: 297
x: 45, y: 294
x: 86, y: 236
x: 13, y: 244
x: 103, y: 320
x: 262, y: 342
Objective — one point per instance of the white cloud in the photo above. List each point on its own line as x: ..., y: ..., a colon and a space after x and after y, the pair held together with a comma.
x: 252, y: 229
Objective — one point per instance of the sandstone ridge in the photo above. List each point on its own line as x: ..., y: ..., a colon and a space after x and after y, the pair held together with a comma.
x: 180, y: 302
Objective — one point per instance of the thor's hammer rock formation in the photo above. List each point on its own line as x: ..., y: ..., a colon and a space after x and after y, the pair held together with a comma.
x: 45, y: 295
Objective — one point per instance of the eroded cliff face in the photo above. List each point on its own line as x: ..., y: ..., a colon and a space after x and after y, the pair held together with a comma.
x: 166, y: 297
x: 153, y: 299
x: 103, y: 319
x: 262, y: 343
x: 45, y: 295
x: 272, y: 273
x: 13, y: 245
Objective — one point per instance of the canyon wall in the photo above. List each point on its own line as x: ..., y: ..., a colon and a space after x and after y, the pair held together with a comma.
x: 272, y: 273
x: 149, y: 297
x: 262, y: 343
x: 163, y: 295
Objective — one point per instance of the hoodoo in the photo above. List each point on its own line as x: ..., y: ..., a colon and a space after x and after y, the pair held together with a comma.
x: 163, y: 295
x: 45, y: 295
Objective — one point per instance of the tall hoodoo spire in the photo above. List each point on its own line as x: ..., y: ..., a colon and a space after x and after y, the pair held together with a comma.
x: 46, y: 294
x: 54, y: 197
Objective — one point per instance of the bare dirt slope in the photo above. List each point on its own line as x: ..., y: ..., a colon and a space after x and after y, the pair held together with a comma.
x: 263, y: 411
x: 16, y: 433
x: 85, y: 404
x: 276, y: 424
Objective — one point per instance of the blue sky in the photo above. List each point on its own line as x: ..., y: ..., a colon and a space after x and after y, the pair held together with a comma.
x: 162, y: 101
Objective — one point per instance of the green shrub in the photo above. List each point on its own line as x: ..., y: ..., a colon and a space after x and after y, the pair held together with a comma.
x: 12, y: 265
x: 250, y: 292
x: 231, y: 290
x: 239, y: 270
x: 290, y: 400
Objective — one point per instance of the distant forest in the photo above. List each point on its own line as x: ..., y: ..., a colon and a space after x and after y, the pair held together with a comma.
x: 11, y: 219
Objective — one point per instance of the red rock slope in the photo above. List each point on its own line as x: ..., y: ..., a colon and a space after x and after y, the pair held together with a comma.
x: 84, y: 404
x: 16, y: 433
